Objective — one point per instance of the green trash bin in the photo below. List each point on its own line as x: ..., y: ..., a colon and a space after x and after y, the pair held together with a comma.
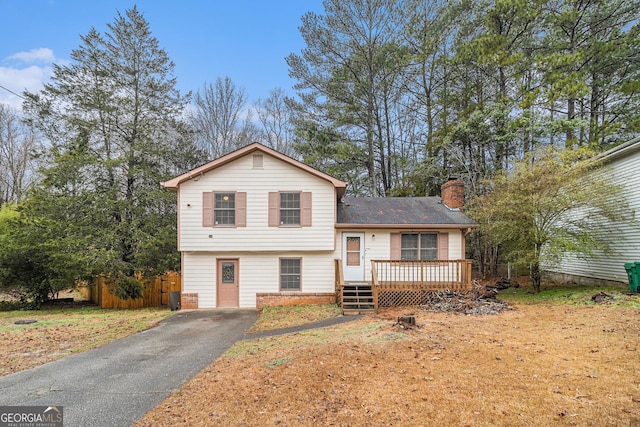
x: 632, y: 273
x: 636, y: 287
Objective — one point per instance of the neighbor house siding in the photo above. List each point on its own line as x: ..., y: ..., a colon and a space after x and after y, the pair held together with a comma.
x: 257, y: 273
x: 257, y: 183
x: 623, y: 237
x: 377, y: 244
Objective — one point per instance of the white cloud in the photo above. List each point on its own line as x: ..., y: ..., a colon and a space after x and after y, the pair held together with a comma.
x: 42, y: 54
x: 20, y: 79
x: 18, y: 76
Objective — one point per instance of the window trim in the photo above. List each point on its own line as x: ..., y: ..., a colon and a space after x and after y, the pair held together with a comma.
x: 305, y: 209
x: 442, y: 242
x: 217, y: 209
x: 299, y: 274
x: 419, y: 248
x: 208, y: 209
x: 298, y: 209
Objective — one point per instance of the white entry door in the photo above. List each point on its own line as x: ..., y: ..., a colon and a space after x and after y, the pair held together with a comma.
x: 353, y: 257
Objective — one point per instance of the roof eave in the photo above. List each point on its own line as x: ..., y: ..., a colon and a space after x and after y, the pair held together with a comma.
x: 174, y: 183
x: 404, y: 226
x: 619, y: 151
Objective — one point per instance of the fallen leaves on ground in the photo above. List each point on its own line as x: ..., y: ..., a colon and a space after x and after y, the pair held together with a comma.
x: 534, y: 365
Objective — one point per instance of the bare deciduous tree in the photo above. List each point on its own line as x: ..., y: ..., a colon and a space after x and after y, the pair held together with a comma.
x: 276, y: 118
x: 217, y: 116
x: 18, y: 146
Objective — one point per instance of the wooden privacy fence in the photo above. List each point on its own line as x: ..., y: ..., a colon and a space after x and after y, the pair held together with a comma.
x: 156, y: 292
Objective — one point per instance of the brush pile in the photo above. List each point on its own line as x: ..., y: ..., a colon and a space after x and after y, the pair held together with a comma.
x: 478, y: 301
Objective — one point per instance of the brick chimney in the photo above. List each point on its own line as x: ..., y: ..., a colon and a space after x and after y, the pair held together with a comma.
x: 453, y: 193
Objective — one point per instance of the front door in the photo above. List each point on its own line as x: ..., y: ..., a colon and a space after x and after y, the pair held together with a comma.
x: 227, y: 283
x: 353, y: 257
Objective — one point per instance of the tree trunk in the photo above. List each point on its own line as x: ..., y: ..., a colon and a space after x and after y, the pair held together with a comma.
x: 536, y: 277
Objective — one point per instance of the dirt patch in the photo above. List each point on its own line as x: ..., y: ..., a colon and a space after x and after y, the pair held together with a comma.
x: 535, y: 365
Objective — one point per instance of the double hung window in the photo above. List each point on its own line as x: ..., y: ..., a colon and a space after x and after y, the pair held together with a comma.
x: 419, y: 246
x: 224, y: 208
x: 289, y: 208
x: 290, y: 272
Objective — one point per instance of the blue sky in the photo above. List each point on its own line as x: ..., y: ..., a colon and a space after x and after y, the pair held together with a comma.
x: 246, y: 40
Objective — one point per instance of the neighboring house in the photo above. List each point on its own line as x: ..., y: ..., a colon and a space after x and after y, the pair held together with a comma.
x: 622, y: 166
x: 256, y: 226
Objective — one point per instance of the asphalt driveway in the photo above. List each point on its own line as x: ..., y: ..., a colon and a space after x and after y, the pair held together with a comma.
x: 116, y: 384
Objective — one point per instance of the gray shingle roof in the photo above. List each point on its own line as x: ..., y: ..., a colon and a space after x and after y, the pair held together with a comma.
x: 399, y: 211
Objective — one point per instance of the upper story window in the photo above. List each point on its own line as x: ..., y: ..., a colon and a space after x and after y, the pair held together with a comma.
x: 289, y: 208
x: 419, y: 246
x: 224, y: 208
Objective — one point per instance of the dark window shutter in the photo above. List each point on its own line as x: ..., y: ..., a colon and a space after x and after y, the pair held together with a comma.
x: 274, y: 209
x: 443, y: 246
x: 394, y: 253
x: 207, y: 209
x: 241, y: 209
x: 305, y: 209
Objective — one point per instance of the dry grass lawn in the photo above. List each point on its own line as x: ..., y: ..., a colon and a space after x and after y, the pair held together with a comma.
x: 60, y: 332
x: 539, y: 364
x: 283, y: 317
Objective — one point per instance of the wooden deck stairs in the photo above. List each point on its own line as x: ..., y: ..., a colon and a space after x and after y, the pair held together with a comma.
x: 357, y: 298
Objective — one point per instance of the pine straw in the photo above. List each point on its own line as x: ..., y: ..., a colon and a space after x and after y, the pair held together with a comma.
x: 537, y: 365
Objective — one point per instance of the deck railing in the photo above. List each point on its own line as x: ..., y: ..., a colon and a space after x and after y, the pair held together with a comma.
x: 339, y: 280
x: 407, y: 283
x: 427, y: 275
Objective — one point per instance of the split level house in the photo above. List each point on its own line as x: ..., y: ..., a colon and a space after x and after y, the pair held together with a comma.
x: 256, y: 227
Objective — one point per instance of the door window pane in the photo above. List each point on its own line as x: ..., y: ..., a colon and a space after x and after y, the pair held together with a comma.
x: 228, y: 272
x: 353, y: 251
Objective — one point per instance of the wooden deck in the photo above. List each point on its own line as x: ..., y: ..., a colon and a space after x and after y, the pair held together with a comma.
x: 400, y: 283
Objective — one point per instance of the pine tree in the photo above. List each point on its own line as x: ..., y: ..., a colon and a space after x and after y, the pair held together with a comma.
x: 113, y: 118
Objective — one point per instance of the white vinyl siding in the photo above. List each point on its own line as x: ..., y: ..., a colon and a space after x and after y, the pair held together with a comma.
x: 198, y: 276
x: 257, y: 273
x: 241, y: 176
x: 377, y: 245
x: 625, y: 238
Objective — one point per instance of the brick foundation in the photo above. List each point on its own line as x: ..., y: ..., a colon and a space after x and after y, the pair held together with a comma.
x: 271, y: 299
x: 188, y: 301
